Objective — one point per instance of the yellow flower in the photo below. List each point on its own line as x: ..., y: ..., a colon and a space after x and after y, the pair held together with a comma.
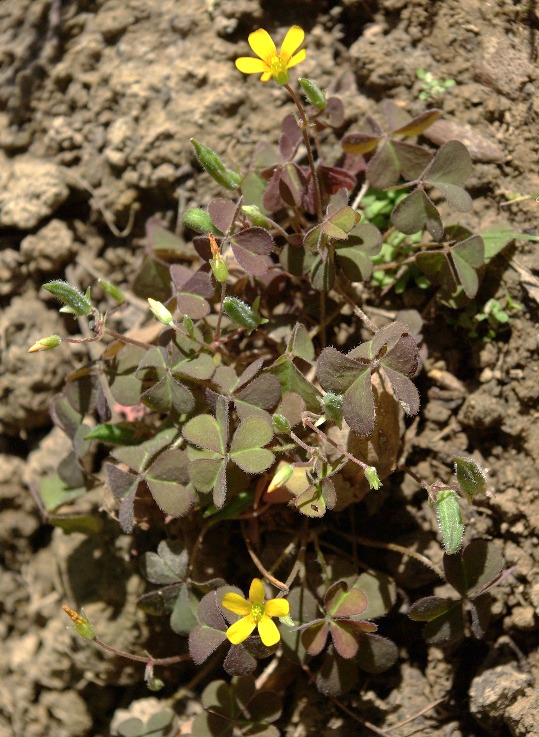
x: 273, y: 64
x: 256, y: 613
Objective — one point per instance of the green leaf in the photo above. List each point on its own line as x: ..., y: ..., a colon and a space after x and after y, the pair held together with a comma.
x: 55, y: 492
x: 380, y: 591
x: 468, y: 255
x: 252, y: 433
x: 137, y: 457
x: 168, y: 565
x: 358, y: 404
x: 429, y: 608
x: 121, y: 370
x: 376, y: 654
x: 183, y: 617
x: 204, y: 472
x: 205, y: 432
x: 299, y: 343
x: 292, y: 380
x: 167, y: 479
x: 254, y: 460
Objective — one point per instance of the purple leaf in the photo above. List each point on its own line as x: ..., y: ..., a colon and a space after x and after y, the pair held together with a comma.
x: 221, y: 211
x: 251, y: 247
x: 358, y: 405
x: 345, y: 642
x: 314, y: 638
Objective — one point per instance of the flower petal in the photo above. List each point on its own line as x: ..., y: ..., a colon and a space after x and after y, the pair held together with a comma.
x: 256, y: 592
x: 269, y: 634
x: 296, y: 59
x: 261, y: 43
x: 266, y: 77
x: 240, y: 630
x: 236, y: 603
x: 277, y: 608
x: 292, y: 40
x: 250, y: 65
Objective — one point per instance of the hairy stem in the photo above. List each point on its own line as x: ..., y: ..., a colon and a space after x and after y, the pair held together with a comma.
x: 147, y: 659
x: 307, y: 142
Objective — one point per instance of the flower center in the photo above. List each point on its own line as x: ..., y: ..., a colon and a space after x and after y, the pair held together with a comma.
x: 257, y: 611
x: 279, y: 70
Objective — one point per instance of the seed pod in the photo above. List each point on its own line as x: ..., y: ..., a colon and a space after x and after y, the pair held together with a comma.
x: 449, y: 520
x: 281, y: 423
x: 112, y: 434
x: 200, y: 221
x: 315, y: 94
x: 78, y: 303
x: 45, y: 344
x: 160, y: 311
x: 470, y: 476
x: 219, y: 269
x: 332, y: 407
x: 112, y: 290
x: 242, y: 314
x: 211, y: 163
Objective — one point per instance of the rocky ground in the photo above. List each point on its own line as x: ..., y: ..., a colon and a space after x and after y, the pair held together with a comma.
x: 99, y: 100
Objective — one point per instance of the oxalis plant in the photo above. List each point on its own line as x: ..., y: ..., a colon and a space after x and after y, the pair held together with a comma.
x: 241, y: 428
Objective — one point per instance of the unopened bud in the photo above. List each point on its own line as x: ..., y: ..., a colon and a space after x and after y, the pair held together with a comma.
x: 315, y: 94
x: 371, y: 474
x: 332, y: 406
x: 160, y: 311
x: 470, y: 476
x: 255, y: 216
x: 81, y: 623
x: 282, y: 475
x: 281, y: 423
x: 188, y: 325
x: 45, y: 344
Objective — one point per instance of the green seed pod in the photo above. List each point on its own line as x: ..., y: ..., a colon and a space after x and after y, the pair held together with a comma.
x: 78, y: 303
x: 470, y: 476
x: 199, y: 220
x: 242, y: 314
x: 332, y: 407
x: 211, y: 163
x: 255, y: 216
x: 371, y: 474
x: 315, y: 94
x: 449, y: 520
x: 45, y: 344
x: 281, y: 423
x: 219, y: 269
x: 112, y: 290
